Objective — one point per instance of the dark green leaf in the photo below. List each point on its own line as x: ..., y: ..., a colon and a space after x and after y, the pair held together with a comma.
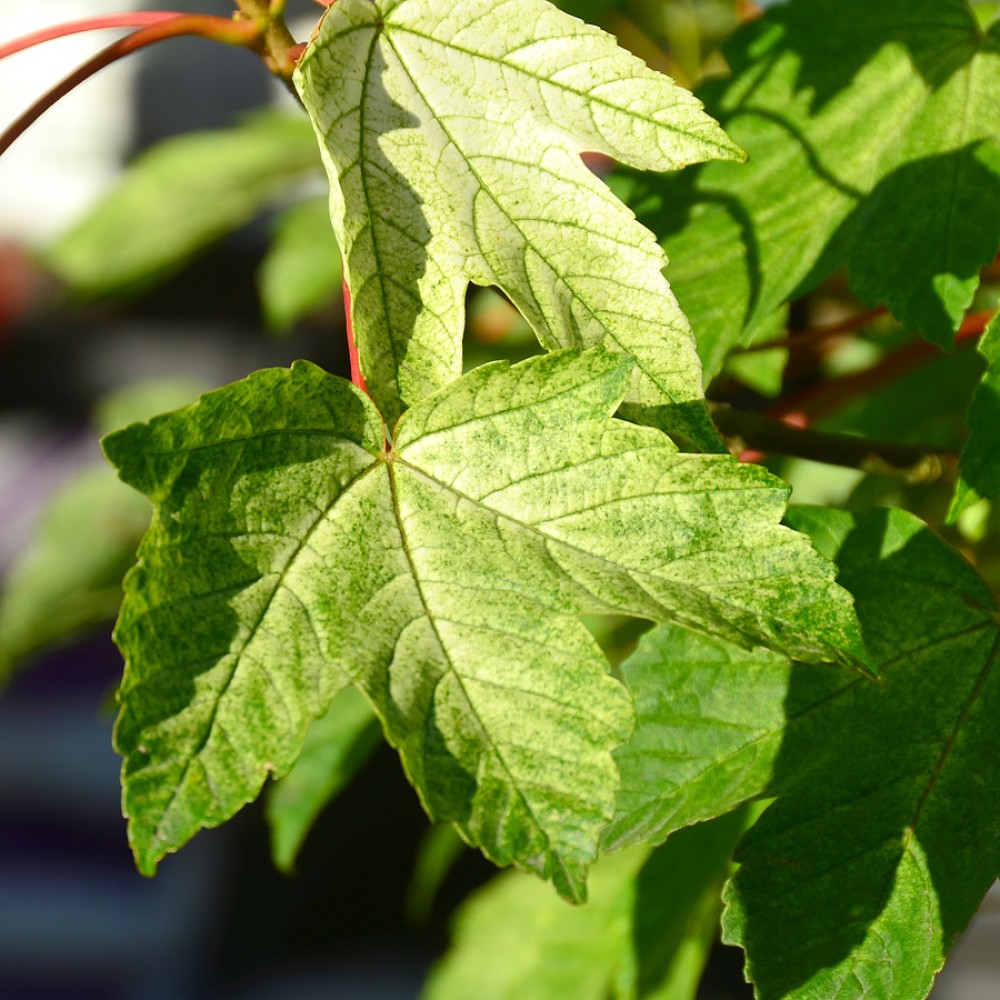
x: 336, y: 745
x: 885, y: 834
x: 980, y: 461
x: 873, y: 134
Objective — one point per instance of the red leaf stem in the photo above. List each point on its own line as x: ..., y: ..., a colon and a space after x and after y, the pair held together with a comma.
x: 352, y: 348
x: 129, y: 19
x: 824, y: 398
x: 803, y: 408
x: 246, y: 34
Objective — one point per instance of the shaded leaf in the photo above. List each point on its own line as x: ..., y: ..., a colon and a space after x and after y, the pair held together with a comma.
x: 302, y: 268
x: 710, y: 722
x: 68, y: 579
x: 180, y: 196
x: 452, y: 134
x: 980, y: 461
x: 291, y: 549
x: 644, y: 934
x: 885, y: 818
x: 336, y: 746
x: 885, y: 835
x: 872, y: 131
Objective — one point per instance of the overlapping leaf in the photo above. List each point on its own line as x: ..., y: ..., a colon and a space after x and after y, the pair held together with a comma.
x: 873, y: 135
x: 644, y: 935
x: 885, y: 833
x: 291, y: 550
x: 451, y: 133
x: 980, y: 462
x: 336, y: 745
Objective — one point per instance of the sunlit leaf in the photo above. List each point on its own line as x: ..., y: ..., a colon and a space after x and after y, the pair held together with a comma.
x: 451, y: 133
x: 873, y: 134
x: 444, y: 574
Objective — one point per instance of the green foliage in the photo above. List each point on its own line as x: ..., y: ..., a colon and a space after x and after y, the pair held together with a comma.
x: 886, y: 815
x: 287, y: 535
x: 451, y: 138
x: 181, y: 196
x: 873, y: 134
x: 302, y: 270
x: 981, y: 457
x: 336, y: 745
x: 644, y: 934
x: 68, y: 580
x: 426, y: 559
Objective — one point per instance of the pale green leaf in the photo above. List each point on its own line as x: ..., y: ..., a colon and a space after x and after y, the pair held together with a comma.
x: 336, y: 745
x: 872, y: 130
x: 181, y: 195
x: 451, y: 134
x: 645, y: 933
x: 446, y: 576
x: 68, y: 577
x: 884, y: 835
x: 302, y: 269
x: 980, y: 461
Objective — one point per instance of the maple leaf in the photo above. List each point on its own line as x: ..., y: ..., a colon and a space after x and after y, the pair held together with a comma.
x: 451, y: 133
x: 884, y: 820
x: 872, y: 129
x: 293, y: 551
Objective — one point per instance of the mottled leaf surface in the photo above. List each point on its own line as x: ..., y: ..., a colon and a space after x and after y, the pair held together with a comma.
x: 873, y: 134
x: 980, y: 460
x: 451, y: 133
x: 445, y: 575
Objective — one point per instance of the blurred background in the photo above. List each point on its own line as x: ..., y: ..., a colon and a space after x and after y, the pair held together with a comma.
x: 366, y: 911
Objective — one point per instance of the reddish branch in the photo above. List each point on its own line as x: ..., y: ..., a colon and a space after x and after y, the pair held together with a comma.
x: 219, y: 29
x: 821, y: 400
x: 784, y: 427
x: 130, y: 19
x: 816, y: 334
x: 257, y: 26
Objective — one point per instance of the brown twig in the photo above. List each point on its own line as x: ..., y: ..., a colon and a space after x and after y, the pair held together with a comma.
x: 814, y: 335
x: 828, y: 397
x: 758, y: 433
